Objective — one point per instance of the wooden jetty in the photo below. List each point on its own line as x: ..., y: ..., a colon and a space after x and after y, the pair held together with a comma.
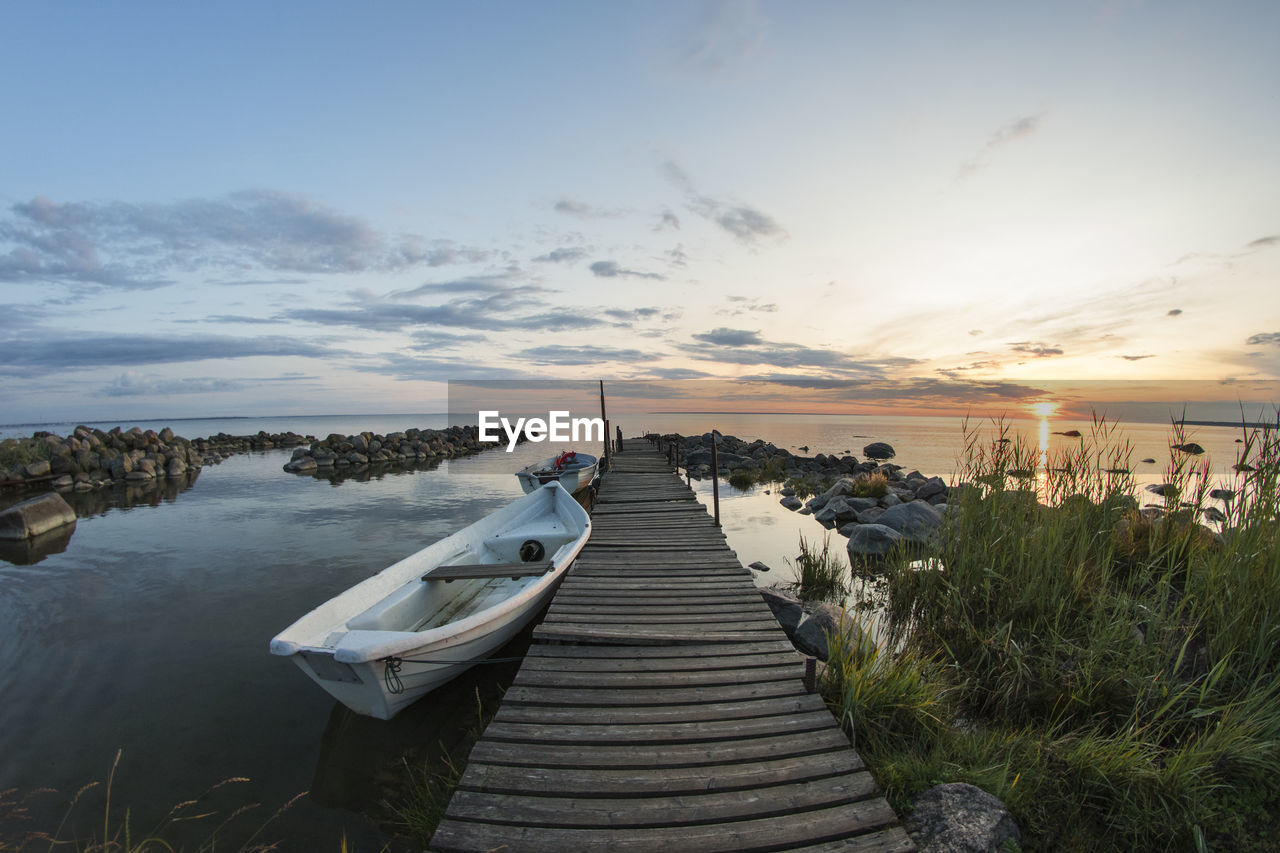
x: 661, y: 707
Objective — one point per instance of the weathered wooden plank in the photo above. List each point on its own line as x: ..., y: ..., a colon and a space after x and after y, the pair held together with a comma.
x: 660, y: 664
x: 584, y: 633
x: 701, y: 731
x: 624, y: 715
x: 604, y: 592
x: 611, y: 697
x: 671, y: 781
x: 894, y: 839
x: 772, y: 645
x: 670, y: 620
x: 690, y: 678
x: 688, y: 809
x: 659, y: 756
x: 771, y: 833
x: 729, y: 611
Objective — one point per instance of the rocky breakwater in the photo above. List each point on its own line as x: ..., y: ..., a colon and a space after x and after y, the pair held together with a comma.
x: 872, y: 501
x: 367, y: 449
x: 91, y: 458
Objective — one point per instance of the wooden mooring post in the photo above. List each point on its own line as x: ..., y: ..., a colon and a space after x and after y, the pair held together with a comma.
x: 715, y: 478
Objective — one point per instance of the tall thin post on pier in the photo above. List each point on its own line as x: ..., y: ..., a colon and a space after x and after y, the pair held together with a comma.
x: 604, y: 418
x: 715, y: 478
x: 619, y: 439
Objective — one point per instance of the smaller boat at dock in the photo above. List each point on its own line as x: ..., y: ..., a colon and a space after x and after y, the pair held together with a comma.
x: 413, y: 626
x: 574, y: 471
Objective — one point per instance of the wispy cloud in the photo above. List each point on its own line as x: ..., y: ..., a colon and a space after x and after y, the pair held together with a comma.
x: 51, y: 353
x: 134, y: 384
x: 627, y: 316
x: 744, y: 305
x: 138, y: 246
x: 1136, y: 357
x: 1019, y: 129
x: 1035, y: 348
x: 565, y: 255
x: 586, y: 354
x: 611, y: 269
x: 730, y: 37
x: 581, y: 210
x: 724, y: 337
x: 748, y: 224
x: 746, y: 347
x: 1263, y: 338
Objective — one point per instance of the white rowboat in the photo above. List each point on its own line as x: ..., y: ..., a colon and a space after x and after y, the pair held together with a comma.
x: 418, y: 623
x: 574, y: 473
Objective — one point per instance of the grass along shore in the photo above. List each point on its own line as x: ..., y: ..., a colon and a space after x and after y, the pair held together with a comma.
x: 1111, y: 672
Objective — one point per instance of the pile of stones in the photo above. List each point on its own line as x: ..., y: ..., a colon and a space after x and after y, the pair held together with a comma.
x: 91, y: 458
x: 397, y: 448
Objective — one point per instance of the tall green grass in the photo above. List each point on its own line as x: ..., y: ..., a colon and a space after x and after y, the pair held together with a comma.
x: 820, y: 575
x: 1112, y: 672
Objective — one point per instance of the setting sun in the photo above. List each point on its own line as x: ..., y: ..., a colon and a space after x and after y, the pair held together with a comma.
x: 1042, y: 409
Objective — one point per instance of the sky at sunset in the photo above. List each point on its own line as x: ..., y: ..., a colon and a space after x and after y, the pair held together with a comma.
x: 303, y: 208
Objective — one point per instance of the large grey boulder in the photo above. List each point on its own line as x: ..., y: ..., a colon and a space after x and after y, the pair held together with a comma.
x: 917, y: 521
x: 871, y: 540
x: 930, y: 488
x: 786, y: 609
x: 960, y: 818
x: 838, y: 510
x: 791, y: 502
x: 36, y: 516
x: 878, y: 450
x: 826, y: 619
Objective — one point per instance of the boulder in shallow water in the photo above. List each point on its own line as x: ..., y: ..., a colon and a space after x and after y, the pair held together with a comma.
x: 826, y: 620
x: 36, y: 516
x: 786, y: 609
x: 917, y: 521
x: 871, y: 540
x: 879, y: 450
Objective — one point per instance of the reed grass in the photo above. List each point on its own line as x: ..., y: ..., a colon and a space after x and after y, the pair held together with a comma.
x: 820, y: 575
x: 1111, y: 672
x: 221, y: 826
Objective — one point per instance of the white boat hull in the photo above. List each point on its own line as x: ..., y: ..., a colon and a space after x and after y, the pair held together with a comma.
x: 389, y: 640
x: 573, y: 478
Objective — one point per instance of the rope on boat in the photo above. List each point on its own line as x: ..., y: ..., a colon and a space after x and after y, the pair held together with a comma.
x: 391, y: 673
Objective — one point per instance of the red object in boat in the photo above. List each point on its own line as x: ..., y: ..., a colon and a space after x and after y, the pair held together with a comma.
x: 565, y: 458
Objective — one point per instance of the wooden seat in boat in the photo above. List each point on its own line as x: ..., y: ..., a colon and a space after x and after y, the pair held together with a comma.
x: 467, y: 571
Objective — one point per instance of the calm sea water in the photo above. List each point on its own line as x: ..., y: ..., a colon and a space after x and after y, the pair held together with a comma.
x: 146, y: 630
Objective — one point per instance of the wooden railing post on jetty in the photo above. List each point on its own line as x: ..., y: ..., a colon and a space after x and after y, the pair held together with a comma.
x: 605, y: 418
x: 715, y: 478
x: 661, y: 707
